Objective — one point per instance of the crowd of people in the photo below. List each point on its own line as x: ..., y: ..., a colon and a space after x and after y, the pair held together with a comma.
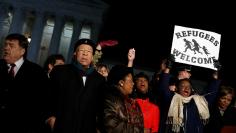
x: 86, y: 96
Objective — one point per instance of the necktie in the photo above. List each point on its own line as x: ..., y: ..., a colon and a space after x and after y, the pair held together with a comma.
x: 12, y: 72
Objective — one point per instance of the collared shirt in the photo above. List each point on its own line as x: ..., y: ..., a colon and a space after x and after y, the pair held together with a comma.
x: 18, y: 65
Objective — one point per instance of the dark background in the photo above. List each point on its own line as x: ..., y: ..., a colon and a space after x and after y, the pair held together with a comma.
x: 148, y: 27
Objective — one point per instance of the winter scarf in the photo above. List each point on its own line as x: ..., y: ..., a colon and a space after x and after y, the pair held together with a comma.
x: 176, y: 115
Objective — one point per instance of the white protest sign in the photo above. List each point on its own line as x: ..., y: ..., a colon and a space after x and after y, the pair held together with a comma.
x: 195, y: 46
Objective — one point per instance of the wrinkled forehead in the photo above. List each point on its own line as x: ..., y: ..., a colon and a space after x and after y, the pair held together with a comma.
x: 12, y: 41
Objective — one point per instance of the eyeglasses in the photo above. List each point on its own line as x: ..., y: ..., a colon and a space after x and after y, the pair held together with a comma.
x: 85, y: 51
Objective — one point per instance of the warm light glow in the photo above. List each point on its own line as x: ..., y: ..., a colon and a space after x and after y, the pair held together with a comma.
x: 29, y: 39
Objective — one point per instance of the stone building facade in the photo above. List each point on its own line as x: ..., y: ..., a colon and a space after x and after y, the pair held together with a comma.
x: 52, y: 26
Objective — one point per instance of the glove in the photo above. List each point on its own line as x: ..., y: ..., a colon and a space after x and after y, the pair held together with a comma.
x: 217, y: 64
x: 170, y: 61
x: 108, y: 43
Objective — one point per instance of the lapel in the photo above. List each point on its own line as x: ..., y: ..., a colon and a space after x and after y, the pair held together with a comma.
x: 22, y: 70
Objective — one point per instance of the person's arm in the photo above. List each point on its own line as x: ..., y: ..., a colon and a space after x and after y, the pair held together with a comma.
x: 51, y: 121
x: 131, y: 57
x: 215, y: 83
x: 164, y: 80
x: 164, y: 84
x: 212, y: 88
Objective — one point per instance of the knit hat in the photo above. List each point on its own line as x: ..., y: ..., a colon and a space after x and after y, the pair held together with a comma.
x: 85, y: 41
x: 184, y: 68
x: 117, y: 73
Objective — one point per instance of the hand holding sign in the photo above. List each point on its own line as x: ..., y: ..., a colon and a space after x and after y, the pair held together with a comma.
x: 170, y: 61
x: 195, y: 46
x: 217, y: 64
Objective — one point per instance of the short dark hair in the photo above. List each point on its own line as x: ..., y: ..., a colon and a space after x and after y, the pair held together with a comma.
x: 188, y: 80
x: 52, y: 60
x: 141, y: 74
x: 23, y: 41
x: 101, y: 65
x: 117, y: 73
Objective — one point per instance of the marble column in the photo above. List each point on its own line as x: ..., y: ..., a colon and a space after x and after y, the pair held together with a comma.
x: 56, y: 35
x: 4, y: 16
x: 95, y: 30
x: 36, y: 37
x: 4, y: 24
x: 17, y: 20
x: 77, y: 25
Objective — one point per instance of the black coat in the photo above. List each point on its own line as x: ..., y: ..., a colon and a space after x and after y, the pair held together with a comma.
x: 21, y: 98
x: 74, y: 105
x: 217, y: 121
x: 118, y: 117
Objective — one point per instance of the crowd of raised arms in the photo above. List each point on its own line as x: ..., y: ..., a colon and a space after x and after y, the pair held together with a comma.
x: 88, y: 96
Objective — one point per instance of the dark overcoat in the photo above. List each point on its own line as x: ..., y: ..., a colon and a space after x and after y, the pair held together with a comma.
x: 22, y: 98
x: 75, y: 105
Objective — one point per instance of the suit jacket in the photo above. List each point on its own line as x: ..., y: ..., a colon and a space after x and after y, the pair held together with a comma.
x: 21, y: 98
x: 75, y: 105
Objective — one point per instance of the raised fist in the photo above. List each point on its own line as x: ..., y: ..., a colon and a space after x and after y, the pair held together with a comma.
x: 217, y: 64
x: 170, y: 61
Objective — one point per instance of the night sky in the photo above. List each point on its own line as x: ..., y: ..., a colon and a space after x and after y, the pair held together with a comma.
x: 149, y: 27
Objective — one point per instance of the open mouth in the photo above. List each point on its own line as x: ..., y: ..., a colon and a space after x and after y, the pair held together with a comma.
x: 6, y: 53
x: 186, y: 92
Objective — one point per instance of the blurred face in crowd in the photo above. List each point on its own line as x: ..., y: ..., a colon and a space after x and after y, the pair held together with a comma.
x: 142, y: 84
x: 12, y: 51
x: 184, y: 88
x: 127, y: 84
x: 103, y: 71
x: 58, y: 62
x: 225, y: 101
x: 84, y: 55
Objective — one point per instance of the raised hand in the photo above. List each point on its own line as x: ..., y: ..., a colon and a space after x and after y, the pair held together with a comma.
x: 131, y: 57
x: 131, y: 54
x: 170, y: 61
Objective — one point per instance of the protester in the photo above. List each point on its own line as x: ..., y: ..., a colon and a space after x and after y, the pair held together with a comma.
x: 146, y: 101
x: 53, y: 60
x: 22, y: 88
x: 222, y: 112
x: 77, y: 92
x: 187, y: 111
x: 121, y: 113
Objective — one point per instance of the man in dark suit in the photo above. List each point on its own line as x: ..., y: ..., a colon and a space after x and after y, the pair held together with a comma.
x: 20, y: 93
x: 77, y: 93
